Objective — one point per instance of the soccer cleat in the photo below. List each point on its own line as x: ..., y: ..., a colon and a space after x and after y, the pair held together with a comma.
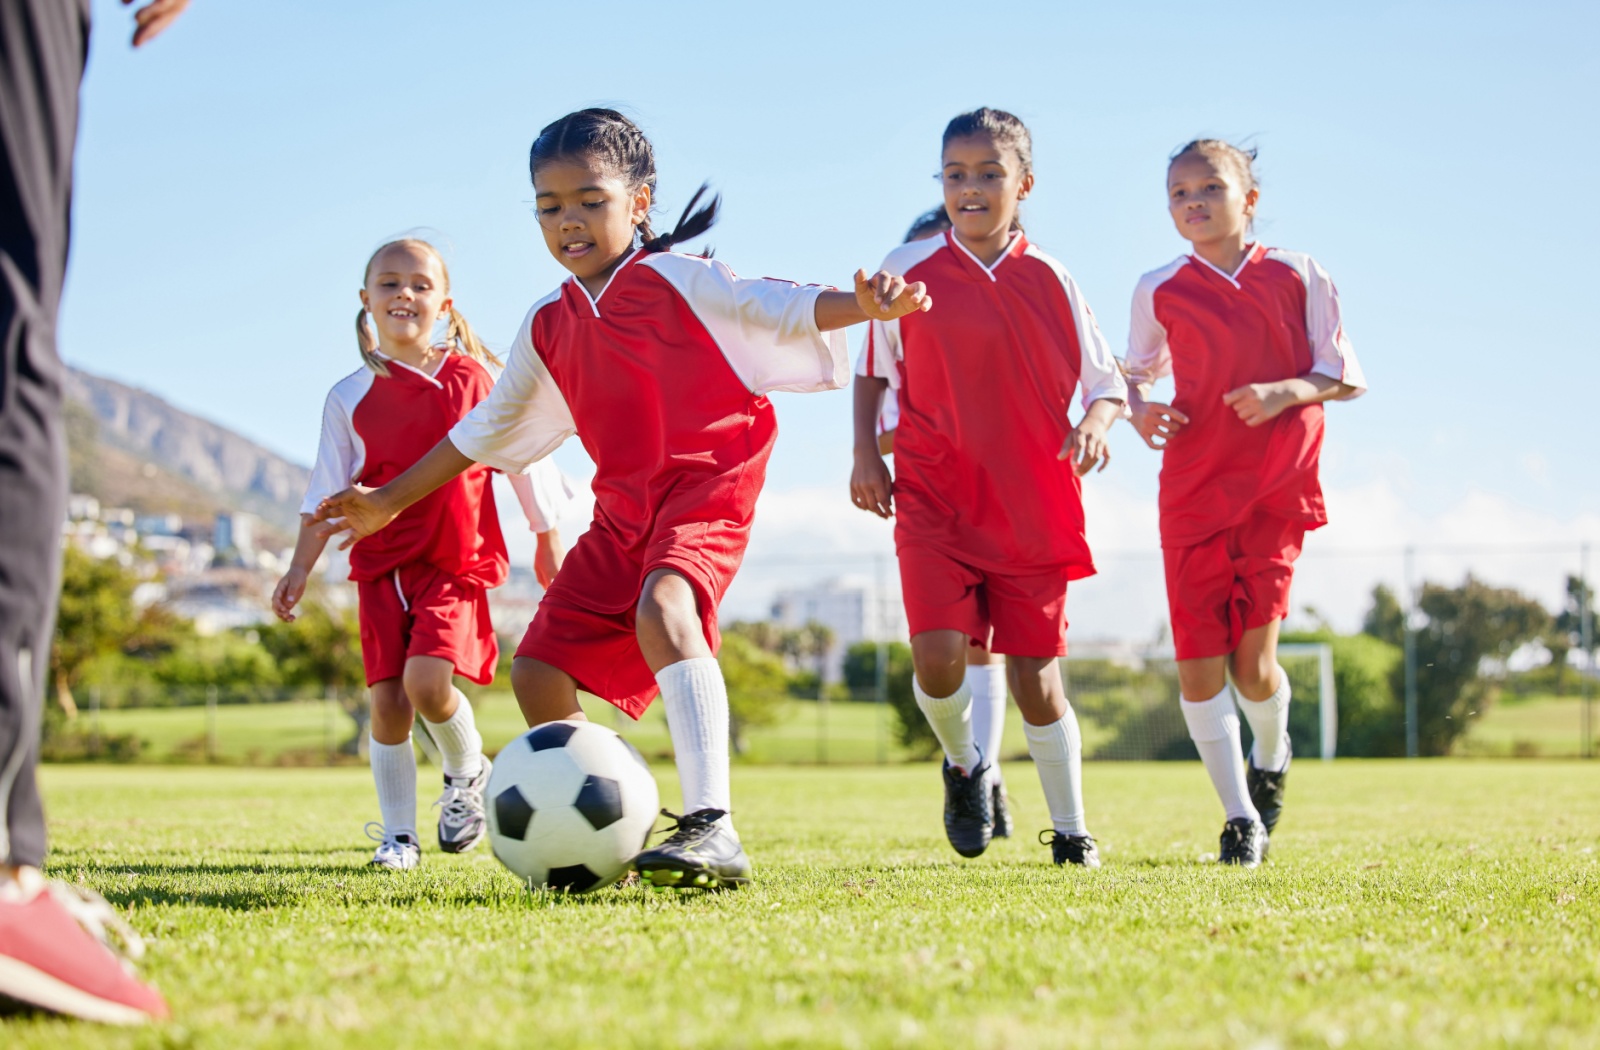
x: 1266, y: 794
x: 1071, y: 849
x: 395, y: 852
x: 700, y: 854
x: 1244, y: 843
x: 1002, y: 809
x: 65, y: 950
x: 462, y: 821
x: 968, y: 809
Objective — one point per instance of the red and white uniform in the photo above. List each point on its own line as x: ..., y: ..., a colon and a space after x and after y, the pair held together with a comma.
x: 989, y: 523
x: 422, y: 578
x: 664, y: 378
x: 1235, y: 500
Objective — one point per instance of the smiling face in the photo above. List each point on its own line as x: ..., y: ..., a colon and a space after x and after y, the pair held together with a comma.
x: 983, y: 184
x: 588, y: 216
x: 406, y: 293
x: 1209, y: 198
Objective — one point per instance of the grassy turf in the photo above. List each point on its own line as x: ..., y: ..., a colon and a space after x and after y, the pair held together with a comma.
x: 1438, y: 904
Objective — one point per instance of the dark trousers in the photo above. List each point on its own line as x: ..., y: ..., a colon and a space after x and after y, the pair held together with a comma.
x: 43, y: 46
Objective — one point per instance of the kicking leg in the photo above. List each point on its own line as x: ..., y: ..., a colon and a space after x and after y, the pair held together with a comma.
x: 448, y: 716
x: 1214, y: 727
x: 1057, y: 749
x: 938, y: 660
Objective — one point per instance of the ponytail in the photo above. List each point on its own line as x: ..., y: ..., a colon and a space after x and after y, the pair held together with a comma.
x: 460, y: 337
x: 367, y: 343
x: 691, y: 224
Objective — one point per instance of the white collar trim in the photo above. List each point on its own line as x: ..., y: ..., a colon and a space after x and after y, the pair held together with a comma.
x: 1005, y: 253
x: 429, y: 376
x: 594, y: 300
x: 1231, y: 278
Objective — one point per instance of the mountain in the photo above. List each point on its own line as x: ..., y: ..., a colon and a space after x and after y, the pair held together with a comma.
x: 130, y: 448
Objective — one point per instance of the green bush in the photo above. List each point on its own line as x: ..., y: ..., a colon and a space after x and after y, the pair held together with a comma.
x: 861, y: 676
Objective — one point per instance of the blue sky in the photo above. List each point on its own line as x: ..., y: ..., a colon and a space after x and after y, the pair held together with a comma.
x: 1436, y: 158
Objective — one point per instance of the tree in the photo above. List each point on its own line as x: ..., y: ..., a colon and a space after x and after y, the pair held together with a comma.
x: 1462, y: 627
x: 861, y: 675
x: 1566, y: 628
x: 1386, y: 620
x: 322, y: 649
x: 758, y: 684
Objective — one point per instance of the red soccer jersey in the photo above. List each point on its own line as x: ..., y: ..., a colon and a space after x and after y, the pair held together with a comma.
x: 664, y: 378
x: 1277, y: 317
x: 373, y: 429
x: 985, y: 381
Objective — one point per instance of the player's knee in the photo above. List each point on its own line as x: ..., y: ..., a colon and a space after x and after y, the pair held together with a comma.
x: 939, y: 660
x: 1253, y: 674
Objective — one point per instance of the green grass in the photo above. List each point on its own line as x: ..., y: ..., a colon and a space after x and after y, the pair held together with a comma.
x: 1535, y: 726
x: 1434, y: 904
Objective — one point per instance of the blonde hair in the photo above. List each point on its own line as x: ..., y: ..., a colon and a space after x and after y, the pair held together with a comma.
x: 458, y: 336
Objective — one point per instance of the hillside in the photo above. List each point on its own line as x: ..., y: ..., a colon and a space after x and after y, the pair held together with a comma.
x: 130, y: 448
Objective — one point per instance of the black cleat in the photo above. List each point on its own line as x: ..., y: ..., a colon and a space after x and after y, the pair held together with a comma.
x: 1071, y: 849
x: 968, y: 809
x: 1002, y: 809
x: 700, y: 854
x: 1266, y: 793
x: 1244, y: 842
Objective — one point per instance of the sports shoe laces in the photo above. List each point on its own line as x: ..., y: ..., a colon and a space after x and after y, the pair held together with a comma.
x: 968, y: 801
x: 692, y: 828
x: 459, y: 804
x: 100, y: 920
x: 375, y: 831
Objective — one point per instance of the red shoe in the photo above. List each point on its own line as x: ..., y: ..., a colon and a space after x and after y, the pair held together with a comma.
x: 51, y: 960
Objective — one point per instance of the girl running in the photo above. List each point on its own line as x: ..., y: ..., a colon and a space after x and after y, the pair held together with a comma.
x: 990, y: 523
x: 422, y: 580
x: 986, y: 671
x: 661, y: 363
x: 1252, y: 339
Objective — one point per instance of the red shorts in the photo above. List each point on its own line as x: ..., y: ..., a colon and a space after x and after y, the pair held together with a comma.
x: 1230, y: 583
x: 1020, y: 615
x: 418, y: 610
x: 599, y: 648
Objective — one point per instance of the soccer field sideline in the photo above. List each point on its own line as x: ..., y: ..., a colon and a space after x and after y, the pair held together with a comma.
x: 1437, y: 904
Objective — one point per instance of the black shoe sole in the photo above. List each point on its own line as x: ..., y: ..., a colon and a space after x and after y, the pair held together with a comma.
x: 462, y: 847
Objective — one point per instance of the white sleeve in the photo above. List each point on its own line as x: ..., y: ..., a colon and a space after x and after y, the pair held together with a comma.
x: 544, y: 493
x: 880, y: 352
x: 1331, y: 352
x: 1098, y: 373
x: 1149, y: 356
x: 523, y: 419
x: 767, y: 329
x: 339, y: 453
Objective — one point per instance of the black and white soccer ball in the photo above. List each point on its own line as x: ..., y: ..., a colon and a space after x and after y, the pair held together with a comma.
x: 570, y: 804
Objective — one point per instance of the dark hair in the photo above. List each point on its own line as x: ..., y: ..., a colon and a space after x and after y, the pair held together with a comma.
x: 934, y: 220
x: 1242, y: 159
x: 607, y: 137
x: 1005, y: 130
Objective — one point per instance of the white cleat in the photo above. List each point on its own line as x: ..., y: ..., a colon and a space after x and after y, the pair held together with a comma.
x: 395, y: 852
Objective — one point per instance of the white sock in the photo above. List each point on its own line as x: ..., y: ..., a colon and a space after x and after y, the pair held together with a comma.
x: 696, y: 700
x: 987, y: 684
x: 394, y: 770
x: 951, y: 719
x: 460, y: 745
x: 1057, y: 751
x: 1269, y: 722
x: 1214, y: 728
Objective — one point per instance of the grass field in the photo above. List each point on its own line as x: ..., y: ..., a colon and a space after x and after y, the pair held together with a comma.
x: 1437, y: 904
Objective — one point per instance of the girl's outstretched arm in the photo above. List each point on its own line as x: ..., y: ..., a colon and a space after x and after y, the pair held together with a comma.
x: 361, y: 511
x: 871, y: 488
x: 307, y: 549
x: 881, y: 297
x: 1259, y: 403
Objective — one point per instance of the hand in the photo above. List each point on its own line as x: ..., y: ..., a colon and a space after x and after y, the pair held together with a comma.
x: 884, y: 297
x: 288, y: 593
x: 1156, y: 422
x: 1086, y: 446
x: 153, y: 18
x: 1259, y: 403
x: 357, y: 510
x: 871, y: 487
x: 547, y: 557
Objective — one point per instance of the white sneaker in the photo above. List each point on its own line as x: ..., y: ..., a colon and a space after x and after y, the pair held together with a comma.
x: 395, y: 852
x: 462, y: 821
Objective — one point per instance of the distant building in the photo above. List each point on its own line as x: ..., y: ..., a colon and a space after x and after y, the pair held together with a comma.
x: 235, y: 533
x: 854, y: 610
x: 159, y: 524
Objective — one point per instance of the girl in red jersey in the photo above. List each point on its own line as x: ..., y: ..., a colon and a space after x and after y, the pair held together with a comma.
x: 986, y: 671
x: 423, y: 579
x: 661, y: 363
x: 990, y: 519
x: 1252, y: 339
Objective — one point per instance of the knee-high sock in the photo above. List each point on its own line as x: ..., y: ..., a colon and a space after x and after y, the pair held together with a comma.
x: 394, y: 771
x: 1269, y: 722
x: 460, y: 745
x: 1214, y: 728
x: 696, y: 699
x: 951, y: 720
x: 987, y: 684
x: 1057, y: 751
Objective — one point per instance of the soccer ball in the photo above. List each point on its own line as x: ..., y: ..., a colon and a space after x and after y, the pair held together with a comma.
x: 570, y: 804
